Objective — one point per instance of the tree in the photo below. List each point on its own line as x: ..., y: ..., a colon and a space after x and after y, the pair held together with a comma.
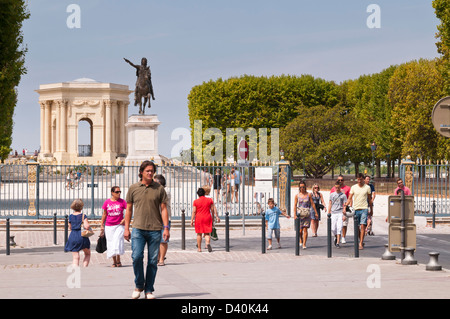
x: 414, y: 89
x: 367, y: 99
x: 256, y: 102
x: 319, y: 139
x: 12, y: 60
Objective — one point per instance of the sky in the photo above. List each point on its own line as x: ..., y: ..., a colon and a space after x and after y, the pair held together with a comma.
x: 188, y: 42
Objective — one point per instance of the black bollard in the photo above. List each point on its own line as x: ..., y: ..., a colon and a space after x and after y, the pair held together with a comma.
x: 263, y: 233
x: 227, y: 231
x: 297, y: 235
x: 66, y: 229
x: 55, y: 241
x: 329, y: 234
x: 183, y: 230
x: 8, y: 243
x: 356, y: 234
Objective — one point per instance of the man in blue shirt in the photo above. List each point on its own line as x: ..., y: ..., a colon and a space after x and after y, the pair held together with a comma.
x: 273, y: 222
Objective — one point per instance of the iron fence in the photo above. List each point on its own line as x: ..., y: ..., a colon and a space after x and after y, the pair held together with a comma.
x: 429, y: 184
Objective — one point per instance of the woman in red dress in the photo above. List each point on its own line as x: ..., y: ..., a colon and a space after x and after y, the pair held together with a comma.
x: 203, y: 214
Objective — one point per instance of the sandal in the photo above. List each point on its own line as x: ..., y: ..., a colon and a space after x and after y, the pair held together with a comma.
x: 161, y: 263
x: 119, y: 264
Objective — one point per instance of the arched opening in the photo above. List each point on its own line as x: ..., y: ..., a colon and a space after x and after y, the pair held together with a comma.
x: 85, y: 138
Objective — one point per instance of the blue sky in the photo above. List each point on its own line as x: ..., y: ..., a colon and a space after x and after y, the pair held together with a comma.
x: 188, y: 42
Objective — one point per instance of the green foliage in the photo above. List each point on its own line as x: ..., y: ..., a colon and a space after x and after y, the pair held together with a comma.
x: 366, y: 98
x: 257, y: 102
x: 414, y: 89
x: 317, y: 139
x: 12, y: 14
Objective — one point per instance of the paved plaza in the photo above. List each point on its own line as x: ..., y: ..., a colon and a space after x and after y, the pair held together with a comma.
x: 37, y: 268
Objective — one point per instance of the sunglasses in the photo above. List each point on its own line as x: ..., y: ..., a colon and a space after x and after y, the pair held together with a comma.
x: 117, y: 192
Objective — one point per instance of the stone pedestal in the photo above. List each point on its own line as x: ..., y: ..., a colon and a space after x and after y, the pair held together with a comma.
x: 142, y: 139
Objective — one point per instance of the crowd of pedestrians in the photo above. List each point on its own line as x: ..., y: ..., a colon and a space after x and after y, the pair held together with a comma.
x: 147, y: 204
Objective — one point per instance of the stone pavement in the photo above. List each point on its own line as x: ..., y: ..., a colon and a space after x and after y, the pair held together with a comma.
x: 38, y: 269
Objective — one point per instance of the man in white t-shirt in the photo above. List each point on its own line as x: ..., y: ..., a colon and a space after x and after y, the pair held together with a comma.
x: 360, y: 198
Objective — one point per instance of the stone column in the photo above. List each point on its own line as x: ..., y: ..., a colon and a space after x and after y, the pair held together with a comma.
x: 125, y: 121
x: 42, y: 140
x: 58, y: 127
x: 47, y: 127
x: 408, y: 173
x: 121, y: 122
x: 64, y: 104
x: 108, y: 105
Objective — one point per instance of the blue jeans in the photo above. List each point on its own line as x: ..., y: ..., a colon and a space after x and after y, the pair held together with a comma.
x: 139, y: 238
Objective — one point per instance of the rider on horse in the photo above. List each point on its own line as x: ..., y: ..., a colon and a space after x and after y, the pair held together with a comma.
x: 142, y: 73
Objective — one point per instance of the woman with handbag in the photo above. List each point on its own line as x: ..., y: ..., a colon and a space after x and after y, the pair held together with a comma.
x: 319, y: 203
x: 303, y: 204
x: 113, y: 225
x: 202, y: 216
x: 76, y: 242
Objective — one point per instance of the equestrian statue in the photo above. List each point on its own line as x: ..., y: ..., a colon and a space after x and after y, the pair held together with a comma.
x: 144, y: 87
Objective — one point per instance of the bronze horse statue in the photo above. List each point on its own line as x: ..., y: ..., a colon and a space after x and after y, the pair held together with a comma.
x: 144, y: 87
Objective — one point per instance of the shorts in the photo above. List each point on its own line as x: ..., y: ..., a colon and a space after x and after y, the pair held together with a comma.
x: 275, y: 230
x: 336, y: 223
x: 361, y: 216
x: 236, y: 187
x: 162, y: 238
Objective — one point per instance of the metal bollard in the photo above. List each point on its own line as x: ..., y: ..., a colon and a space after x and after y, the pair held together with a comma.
x: 263, y: 233
x: 387, y: 254
x: 8, y: 244
x: 409, y: 257
x: 329, y: 234
x: 227, y: 231
x: 55, y: 241
x: 183, y: 230
x: 356, y: 234
x: 66, y: 229
x: 433, y: 264
x: 297, y: 235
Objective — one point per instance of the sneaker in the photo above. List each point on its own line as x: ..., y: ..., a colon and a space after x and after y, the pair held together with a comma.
x: 270, y: 247
x: 136, y: 294
x: 149, y: 295
x: 337, y: 246
x: 343, y: 241
x: 279, y: 246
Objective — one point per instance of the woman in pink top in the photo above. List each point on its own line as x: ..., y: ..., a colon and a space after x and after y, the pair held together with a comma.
x: 113, y: 225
